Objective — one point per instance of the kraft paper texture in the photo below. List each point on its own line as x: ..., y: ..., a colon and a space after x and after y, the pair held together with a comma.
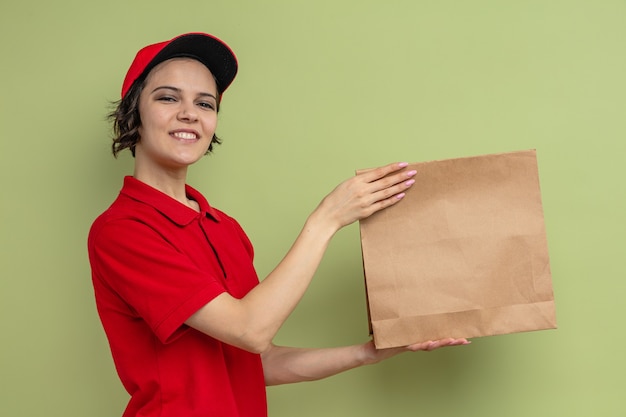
x: 464, y: 254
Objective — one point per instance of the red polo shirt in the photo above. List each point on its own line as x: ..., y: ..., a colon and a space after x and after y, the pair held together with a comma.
x: 154, y: 263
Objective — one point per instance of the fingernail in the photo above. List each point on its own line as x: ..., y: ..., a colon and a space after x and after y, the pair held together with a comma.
x: 411, y: 173
x: 403, y: 164
x: 401, y: 195
x: 409, y: 182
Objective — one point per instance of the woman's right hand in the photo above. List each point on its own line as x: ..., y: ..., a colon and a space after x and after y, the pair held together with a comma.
x: 365, y: 194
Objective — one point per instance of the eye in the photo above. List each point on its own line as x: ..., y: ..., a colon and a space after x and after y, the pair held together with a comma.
x: 206, y: 105
x: 166, y: 99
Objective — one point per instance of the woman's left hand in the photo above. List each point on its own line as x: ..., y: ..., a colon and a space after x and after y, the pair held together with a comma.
x: 376, y: 355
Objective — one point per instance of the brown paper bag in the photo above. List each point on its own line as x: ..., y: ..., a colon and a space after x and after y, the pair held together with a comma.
x: 463, y: 255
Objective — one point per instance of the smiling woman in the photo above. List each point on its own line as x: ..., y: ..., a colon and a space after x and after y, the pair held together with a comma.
x: 189, y: 324
x: 178, y: 108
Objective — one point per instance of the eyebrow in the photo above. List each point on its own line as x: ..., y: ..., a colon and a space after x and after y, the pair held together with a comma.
x: 178, y: 90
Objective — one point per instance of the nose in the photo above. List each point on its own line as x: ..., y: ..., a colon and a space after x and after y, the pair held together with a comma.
x: 187, y: 113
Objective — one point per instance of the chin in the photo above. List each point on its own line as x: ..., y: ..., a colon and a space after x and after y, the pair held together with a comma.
x: 187, y: 161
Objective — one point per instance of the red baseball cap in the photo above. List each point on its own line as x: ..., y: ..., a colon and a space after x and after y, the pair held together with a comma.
x: 207, y: 49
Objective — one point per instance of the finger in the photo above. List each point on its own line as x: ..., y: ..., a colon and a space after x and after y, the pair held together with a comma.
x: 385, y: 198
x: 393, y: 186
x: 449, y: 342
x: 423, y: 346
x: 399, y: 179
x: 437, y: 344
x: 378, y: 205
x: 381, y: 172
x: 386, y: 176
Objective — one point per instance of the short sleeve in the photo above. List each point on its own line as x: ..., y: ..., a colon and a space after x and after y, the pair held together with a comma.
x: 159, y: 283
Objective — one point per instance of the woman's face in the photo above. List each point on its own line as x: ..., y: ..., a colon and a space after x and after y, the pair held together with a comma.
x: 178, y: 110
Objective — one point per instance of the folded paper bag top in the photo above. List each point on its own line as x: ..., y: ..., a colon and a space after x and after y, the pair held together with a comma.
x: 463, y: 255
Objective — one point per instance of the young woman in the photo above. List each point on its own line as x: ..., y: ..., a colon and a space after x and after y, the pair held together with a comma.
x: 189, y: 325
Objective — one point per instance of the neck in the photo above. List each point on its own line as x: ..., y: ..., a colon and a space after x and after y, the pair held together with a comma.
x: 170, y: 182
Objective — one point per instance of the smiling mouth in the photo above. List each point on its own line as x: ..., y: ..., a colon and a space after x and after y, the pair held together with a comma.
x: 185, y: 135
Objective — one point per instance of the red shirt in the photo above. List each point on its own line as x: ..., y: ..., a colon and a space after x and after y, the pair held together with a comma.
x: 154, y: 263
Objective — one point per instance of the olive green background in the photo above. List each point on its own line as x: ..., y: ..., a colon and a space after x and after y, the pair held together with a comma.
x: 325, y: 87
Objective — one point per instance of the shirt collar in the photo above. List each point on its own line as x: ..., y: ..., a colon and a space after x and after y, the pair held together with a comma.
x: 169, y: 207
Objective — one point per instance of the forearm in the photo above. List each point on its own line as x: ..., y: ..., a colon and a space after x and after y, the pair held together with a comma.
x: 274, y: 299
x: 285, y: 365
x: 253, y: 321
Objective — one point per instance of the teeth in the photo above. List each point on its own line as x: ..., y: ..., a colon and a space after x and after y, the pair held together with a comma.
x: 185, y: 135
